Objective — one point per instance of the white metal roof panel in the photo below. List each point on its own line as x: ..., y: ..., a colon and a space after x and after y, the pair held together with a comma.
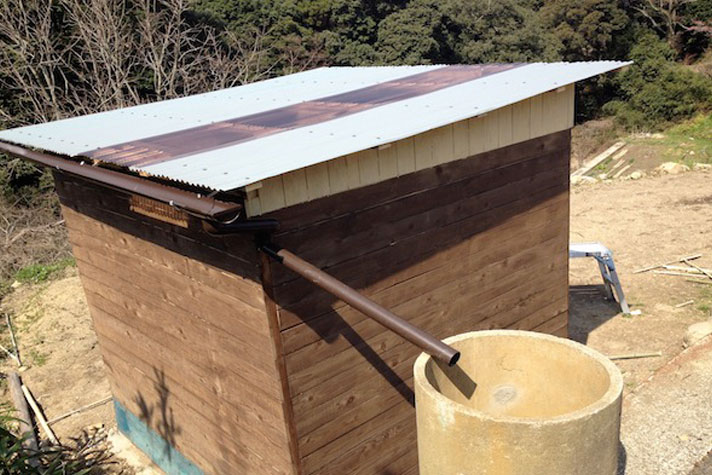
x: 78, y: 134
x: 241, y: 164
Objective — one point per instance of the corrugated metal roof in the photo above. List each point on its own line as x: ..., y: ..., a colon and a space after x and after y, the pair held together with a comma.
x: 242, y: 135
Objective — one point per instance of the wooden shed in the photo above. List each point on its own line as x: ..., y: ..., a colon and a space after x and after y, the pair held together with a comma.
x: 439, y: 192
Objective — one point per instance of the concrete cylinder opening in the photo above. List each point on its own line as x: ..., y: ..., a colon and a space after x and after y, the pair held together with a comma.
x: 518, y: 403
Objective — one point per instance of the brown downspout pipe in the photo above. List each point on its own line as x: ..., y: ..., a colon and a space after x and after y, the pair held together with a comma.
x: 360, y: 302
x: 264, y: 227
x: 186, y: 200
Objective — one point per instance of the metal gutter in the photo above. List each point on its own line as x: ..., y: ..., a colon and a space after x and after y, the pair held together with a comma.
x: 191, y: 202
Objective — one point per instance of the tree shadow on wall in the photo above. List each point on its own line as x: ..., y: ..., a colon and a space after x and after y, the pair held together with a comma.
x: 159, y: 416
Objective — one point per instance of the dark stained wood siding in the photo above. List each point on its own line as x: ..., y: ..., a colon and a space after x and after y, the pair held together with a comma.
x: 474, y: 244
x: 184, y: 330
x: 245, y: 367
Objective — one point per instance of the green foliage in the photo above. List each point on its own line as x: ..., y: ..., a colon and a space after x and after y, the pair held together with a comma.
x: 23, y: 182
x: 16, y: 459
x: 501, y: 31
x: 38, y: 359
x: 694, y: 40
x: 415, y: 35
x: 586, y: 29
x: 656, y: 91
x: 697, y: 129
x: 689, y: 142
x: 37, y: 273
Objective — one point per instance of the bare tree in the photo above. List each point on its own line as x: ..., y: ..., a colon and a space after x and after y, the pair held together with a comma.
x: 102, y: 56
x: 665, y: 16
x: 31, y: 60
x: 106, y: 54
x: 187, y: 59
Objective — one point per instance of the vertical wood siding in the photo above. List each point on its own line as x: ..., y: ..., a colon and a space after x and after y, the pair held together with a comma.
x: 541, y: 115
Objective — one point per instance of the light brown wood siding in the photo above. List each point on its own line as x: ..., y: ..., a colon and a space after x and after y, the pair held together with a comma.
x: 184, y: 330
x: 471, y: 244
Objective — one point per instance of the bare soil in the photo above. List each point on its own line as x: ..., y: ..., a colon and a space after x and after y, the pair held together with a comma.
x: 644, y: 222
x: 58, y: 347
x: 591, y: 138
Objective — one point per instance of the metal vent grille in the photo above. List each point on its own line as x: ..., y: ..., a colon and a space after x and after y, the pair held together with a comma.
x: 157, y: 210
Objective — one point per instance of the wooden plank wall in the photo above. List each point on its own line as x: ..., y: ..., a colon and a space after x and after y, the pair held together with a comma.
x: 477, y: 243
x: 540, y: 115
x: 184, y: 332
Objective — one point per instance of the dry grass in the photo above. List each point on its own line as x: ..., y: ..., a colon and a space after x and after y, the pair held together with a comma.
x: 589, y: 138
x: 30, y: 236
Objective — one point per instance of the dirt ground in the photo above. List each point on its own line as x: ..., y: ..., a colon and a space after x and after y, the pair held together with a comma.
x: 667, y: 422
x: 644, y: 222
x: 647, y: 221
x: 58, y: 348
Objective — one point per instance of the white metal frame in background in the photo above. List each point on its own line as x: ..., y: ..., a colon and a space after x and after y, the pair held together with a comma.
x: 604, y: 257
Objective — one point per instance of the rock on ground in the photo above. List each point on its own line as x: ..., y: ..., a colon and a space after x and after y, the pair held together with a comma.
x: 580, y: 180
x: 697, y: 332
x: 673, y: 168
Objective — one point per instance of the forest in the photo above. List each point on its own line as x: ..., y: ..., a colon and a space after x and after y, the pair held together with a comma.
x: 65, y: 57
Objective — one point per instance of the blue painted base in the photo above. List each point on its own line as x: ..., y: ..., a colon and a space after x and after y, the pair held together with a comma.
x: 156, y: 447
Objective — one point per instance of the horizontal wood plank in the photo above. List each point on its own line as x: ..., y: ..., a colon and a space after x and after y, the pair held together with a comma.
x: 302, y: 302
x: 161, y: 403
x: 329, y: 405
x: 424, y: 275
x: 472, y: 244
x: 192, y: 295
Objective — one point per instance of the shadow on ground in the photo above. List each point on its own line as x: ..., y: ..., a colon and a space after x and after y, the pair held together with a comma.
x: 622, y: 459
x: 588, y: 309
x: 704, y: 466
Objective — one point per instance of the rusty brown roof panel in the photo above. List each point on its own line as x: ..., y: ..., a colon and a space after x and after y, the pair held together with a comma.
x: 166, y: 147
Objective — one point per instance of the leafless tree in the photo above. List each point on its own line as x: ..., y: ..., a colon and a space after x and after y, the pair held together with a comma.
x: 102, y: 55
x: 61, y: 58
x: 31, y: 61
x: 106, y: 54
x: 665, y: 16
x: 185, y: 59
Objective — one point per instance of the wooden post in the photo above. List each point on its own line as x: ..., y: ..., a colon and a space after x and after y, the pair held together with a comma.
x: 23, y: 414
